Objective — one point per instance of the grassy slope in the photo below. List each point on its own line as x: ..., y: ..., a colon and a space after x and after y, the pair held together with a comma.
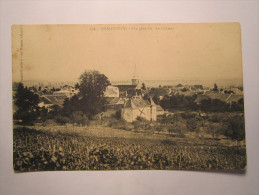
x: 102, y: 148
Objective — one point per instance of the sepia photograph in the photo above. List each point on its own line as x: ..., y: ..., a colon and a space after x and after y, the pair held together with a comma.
x: 128, y: 97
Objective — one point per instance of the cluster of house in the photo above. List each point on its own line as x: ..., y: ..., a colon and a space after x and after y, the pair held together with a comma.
x: 229, y: 95
x: 132, y: 101
x: 49, y: 98
x: 130, y: 98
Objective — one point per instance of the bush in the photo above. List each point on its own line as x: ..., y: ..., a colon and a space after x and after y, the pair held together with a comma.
x: 62, y: 120
x: 119, y: 124
x: 215, y: 129
x: 117, y: 114
x: 137, y: 124
x: 218, y: 117
x: 159, y: 127
x: 25, y: 118
x: 141, y: 119
x: 79, y: 118
x: 234, y: 128
x: 169, y: 119
x: 50, y: 122
x: 43, y: 115
x: 214, y: 105
x: 142, y: 123
x: 192, y: 125
x: 188, y: 115
x: 54, y: 111
x: 238, y: 106
x: 178, y: 127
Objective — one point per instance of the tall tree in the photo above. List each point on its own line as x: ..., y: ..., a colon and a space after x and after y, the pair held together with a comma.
x: 27, y: 105
x: 92, y: 85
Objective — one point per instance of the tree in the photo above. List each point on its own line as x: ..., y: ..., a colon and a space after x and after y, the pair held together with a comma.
x: 184, y: 89
x: 214, y: 105
x: 179, y: 102
x: 215, y: 129
x: 92, y: 85
x: 215, y: 87
x: 143, y: 86
x: 238, y: 106
x: 54, y: 111
x: 77, y: 86
x: 43, y: 114
x: 27, y: 105
x: 71, y: 105
x: 234, y: 128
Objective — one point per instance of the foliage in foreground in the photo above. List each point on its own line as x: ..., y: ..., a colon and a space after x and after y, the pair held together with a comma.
x: 38, y: 150
x: 27, y: 105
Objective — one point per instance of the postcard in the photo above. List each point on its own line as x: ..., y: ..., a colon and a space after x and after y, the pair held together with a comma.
x: 128, y: 97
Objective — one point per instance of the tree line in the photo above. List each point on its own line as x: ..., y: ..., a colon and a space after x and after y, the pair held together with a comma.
x: 79, y: 108
x: 182, y: 102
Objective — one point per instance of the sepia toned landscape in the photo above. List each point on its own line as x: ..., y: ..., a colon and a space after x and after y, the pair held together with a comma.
x: 128, y: 97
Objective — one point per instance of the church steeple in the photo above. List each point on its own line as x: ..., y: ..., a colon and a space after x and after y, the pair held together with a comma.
x: 135, y: 80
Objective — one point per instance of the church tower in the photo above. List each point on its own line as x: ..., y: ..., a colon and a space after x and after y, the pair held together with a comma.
x: 135, y: 79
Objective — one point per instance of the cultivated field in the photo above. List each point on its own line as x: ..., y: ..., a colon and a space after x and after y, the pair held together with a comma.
x: 104, y: 148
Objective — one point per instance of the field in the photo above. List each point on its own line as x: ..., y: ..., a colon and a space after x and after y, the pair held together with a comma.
x: 103, y: 148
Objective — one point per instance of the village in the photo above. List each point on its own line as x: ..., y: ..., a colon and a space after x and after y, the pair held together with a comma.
x: 135, y: 99
x: 194, y: 121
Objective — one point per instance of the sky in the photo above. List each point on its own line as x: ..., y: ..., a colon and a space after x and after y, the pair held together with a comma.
x: 209, y: 51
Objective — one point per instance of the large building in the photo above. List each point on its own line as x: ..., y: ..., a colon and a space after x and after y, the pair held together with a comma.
x: 138, y: 107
